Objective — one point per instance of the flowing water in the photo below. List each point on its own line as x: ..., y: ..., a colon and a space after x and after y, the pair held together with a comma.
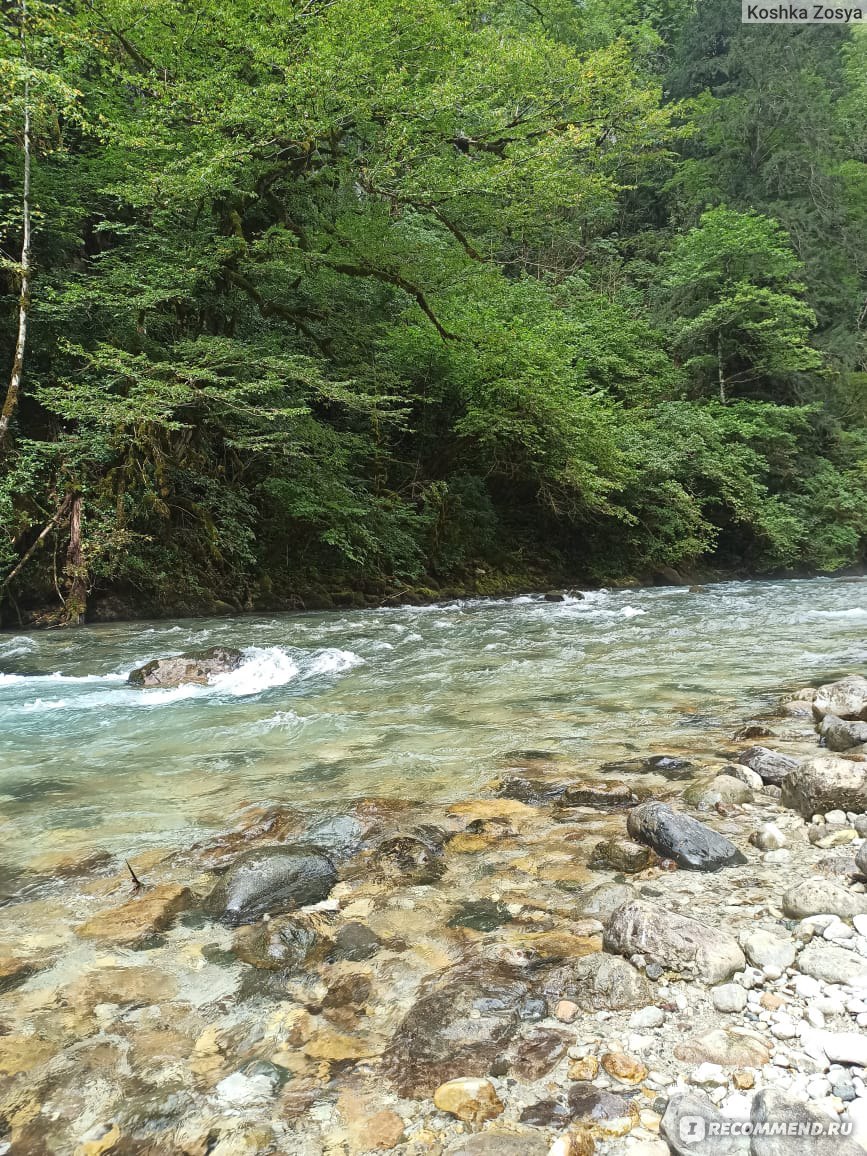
x: 412, y: 702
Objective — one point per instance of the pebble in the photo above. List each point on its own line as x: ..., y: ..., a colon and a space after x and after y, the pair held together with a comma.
x: 729, y: 997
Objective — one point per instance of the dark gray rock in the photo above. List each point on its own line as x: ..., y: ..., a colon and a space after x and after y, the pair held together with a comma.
x: 533, y: 791
x: 840, y: 735
x: 410, y: 859
x: 674, y: 941
x: 599, y: 902
x: 355, y: 942
x: 770, y: 765
x: 668, y: 766
x: 826, y: 784
x: 270, y: 880
x: 480, y: 915
x: 194, y: 667
x: 554, y: 596
x: 680, y: 837
x: 339, y: 837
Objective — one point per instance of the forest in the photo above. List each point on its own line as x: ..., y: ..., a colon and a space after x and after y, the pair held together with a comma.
x: 314, y: 302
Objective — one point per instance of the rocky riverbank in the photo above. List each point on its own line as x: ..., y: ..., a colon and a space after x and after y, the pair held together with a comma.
x: 578, y: 960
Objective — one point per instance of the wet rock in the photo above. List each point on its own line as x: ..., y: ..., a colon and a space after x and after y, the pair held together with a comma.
x: 463, y: 1019
x: 621, y: 855
x: 826, y: 784
x: 770, y: 765
x: 692, y: 1127
x: 753, y: 730
x: 276, y: 945
x: 410, y: 859
x: 832, y: 964
x: 766, y: 950
x: 14, y: 971
x: 602, y: 795
x: 339, y: 837
x: 722, y: 789
x: 673, y: 941
x: 537, y: 792
x: 198, y: 667
x: 596, y: 982
x: 668, y: 766
x: 839, y: 735
x: 546, y: 1114
x: 337, y: 1047
x: 471, y: 1100
x: 24, y: 1053
x: 554, y: 596
x: 793, y: 1119
x: 138, y: 920
x: 379, y: 1132
x: 822, y: 897
x: 270, y: 880
x: 480, y: 915
x: 355, y: 942
x: 724, y: 1048
x: 847, y: 699
x: 537, y: 1053
x: 680, y: 837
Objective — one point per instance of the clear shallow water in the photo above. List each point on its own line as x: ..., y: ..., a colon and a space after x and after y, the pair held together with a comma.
x: 413, y: 702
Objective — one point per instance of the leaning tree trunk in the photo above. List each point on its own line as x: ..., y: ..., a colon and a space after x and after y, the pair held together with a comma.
x: 76, y: 599
x: 11, y: 401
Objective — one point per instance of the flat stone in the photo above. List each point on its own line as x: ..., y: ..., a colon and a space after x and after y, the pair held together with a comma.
x: 770, y: 1106
x: 826, y: 784
x: 832, y: 964
x: 621, y: 855
x: 470, y: 1099
x: 845, y: 1047
x: 15, y: 971
x: 676, y: 836
x: 380, y: 1132
x: 674, y: 941
x: 326, y: 1045
x: 692, y: 1127
x: 491, y: 1142
x: 601, y: 901
x: 197, y: 667
x: 151, y: 911
x: 822, y: 897
x: 724, y: 1048
x: 537, y: 1053
x: 600, y: 794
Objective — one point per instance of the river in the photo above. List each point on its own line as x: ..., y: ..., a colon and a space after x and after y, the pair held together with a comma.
x: 411, y: 702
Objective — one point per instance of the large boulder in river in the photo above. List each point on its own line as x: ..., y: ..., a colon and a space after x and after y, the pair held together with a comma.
x: 270, y: 880
x: 826, y: 784
x: 674, y: 941
x: 847, y: 698
x: 680, y: 837
x: 770, y: 766
x: 195, y: 667
x: 840, y: 735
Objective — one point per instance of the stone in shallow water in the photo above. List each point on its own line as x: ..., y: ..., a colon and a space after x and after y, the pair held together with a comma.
x: 674, y: 941
x: 602, y: 900
x: 462, y: 1020
x: 534, y: 791
x: 480, y: 915
x: 607, y: 1110
x: 680, y: 837
x: 471, y: 1100
x: 669, y: 766
x: 621, y: 855
x: 596, y: 982
x: 355, y: 942
x: 270, y: 880
x: 276, y: 945
x: 139, y: 919
x: 412, y: 860
x: 537, y: 1053
x: 846, y: 698
x: 495, y: 1143
x: 722, y: 789
x: 603, y: 795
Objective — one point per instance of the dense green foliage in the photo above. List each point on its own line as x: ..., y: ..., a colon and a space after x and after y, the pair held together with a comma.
x: 356, y: 292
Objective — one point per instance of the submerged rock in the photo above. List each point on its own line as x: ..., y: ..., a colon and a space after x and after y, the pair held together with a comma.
x: 601, y: 795
x: 534, y: 791
x: 270, y: 880
x: 847, y: 698
x: 674, y: 941
x: 356, y: 942
x: 464, y: 1017
x: 410, y: 859
x: 598, y: 981
x: 197, y: 666
x: 471, y: 1100
x: 621, y: 855
x: 275, y: 945
x: 680, y: 837
x: 139, y: 919
x: 770, y: 765
x: 725, y: 1048
x: 826, y: 784
x: 669, y: 766
x: 722, y: 789
x: 480, y: 915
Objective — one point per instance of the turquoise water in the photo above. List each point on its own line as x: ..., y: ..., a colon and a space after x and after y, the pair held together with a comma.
x: 414, y: 702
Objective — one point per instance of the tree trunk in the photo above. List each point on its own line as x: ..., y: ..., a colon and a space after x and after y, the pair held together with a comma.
x: 720, y: 373
x: 76, y: 600
x: 11, y: 402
